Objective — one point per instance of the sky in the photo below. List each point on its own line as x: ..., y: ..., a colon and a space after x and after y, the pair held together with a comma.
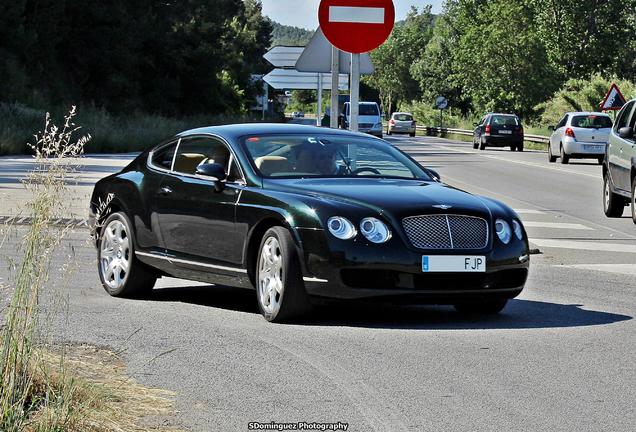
x: 304, y: 13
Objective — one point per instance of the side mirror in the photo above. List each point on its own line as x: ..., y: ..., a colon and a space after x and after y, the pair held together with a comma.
x: 216, y: 173
x: 551, y: 128
x: 626, y: 132
x: 475, y: 124
x: 435, y: 175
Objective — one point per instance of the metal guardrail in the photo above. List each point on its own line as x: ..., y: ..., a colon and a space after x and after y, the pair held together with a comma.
x: 433, y: 131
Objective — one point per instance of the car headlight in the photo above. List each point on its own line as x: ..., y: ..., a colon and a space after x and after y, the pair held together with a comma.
x: 375, y: 230
x: 503, y: 231
x: 341, y: 228
x: 516, y: 227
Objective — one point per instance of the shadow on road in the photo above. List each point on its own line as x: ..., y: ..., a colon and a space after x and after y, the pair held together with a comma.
x: 519, y: 314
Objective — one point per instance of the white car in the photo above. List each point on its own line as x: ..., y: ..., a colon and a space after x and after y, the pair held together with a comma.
x: 580, y: 135
x: 402, y: 122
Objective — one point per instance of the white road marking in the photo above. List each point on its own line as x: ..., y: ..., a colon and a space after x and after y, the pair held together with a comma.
x: 351, y: 14
x: 528, y: 211
x: 557, y: 225
x: 584, y: 245
x: 526, y: 163
x: 626, y: 269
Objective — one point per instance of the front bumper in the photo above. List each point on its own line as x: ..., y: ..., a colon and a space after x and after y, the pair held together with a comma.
x: 360, y: 270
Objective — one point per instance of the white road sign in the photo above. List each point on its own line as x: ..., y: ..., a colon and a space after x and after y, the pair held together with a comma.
x: 283, y: 56
x: 290, y: 79
x: 317, y: 57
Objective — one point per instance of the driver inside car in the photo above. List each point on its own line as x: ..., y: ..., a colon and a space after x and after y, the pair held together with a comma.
x: 316, y: 159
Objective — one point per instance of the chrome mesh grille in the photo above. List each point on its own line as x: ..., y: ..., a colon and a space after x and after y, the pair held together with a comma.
x: 446, y: 232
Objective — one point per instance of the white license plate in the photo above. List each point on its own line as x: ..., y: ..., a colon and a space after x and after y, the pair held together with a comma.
x: 593, y: 147
x: 505, y: 132
x: 453, y: 264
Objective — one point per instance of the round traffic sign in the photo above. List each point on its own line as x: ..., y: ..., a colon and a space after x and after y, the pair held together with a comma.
x: 441, y: 102
x: 356, y: 26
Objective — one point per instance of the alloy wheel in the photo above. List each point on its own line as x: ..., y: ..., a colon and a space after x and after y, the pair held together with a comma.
x: 270, y: 276
x: 115, y: 255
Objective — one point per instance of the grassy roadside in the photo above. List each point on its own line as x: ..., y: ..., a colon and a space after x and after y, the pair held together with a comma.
x: 110, y: 133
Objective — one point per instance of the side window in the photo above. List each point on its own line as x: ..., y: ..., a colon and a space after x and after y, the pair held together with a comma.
x: 623, y: 116
x: 235, y: 173
x: 201, y: 150
x: 563, y: 122
x: 163, y: 156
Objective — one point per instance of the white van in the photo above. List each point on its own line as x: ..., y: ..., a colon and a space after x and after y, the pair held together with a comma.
x: 369, y: 118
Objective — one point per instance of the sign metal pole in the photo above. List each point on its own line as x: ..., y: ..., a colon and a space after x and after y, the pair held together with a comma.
x: 335, y: 71
x: 319, y: 110
x: 355, y: 92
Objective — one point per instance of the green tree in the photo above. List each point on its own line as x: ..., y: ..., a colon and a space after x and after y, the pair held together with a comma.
x: 584, y: 37
x: 393, y: 60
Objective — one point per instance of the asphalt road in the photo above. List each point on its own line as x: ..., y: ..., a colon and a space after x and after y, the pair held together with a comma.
x: 559, y: 358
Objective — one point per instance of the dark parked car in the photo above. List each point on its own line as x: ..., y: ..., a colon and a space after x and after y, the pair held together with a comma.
x: 303, y: 213
x: 498, y: 130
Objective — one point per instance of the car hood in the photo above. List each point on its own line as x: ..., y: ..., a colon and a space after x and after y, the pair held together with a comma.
x: 401, y: 198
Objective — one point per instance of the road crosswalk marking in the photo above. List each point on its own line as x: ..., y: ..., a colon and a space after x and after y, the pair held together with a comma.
x: 556, y: 225
x: 584, y: 245
x: 626, y: 269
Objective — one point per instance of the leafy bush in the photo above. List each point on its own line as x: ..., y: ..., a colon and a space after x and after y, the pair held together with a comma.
x: 427, y: 115
x: 580, y: 95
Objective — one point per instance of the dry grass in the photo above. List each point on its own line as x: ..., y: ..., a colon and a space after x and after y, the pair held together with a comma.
x: 88, y: 390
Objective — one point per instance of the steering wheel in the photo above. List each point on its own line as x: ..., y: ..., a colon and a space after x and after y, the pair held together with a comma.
x: 361, y: 170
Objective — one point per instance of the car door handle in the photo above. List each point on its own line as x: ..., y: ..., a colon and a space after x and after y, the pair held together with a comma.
x: 165, y: 191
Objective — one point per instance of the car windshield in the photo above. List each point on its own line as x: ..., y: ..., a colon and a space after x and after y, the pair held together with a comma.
x: 298, y: 156
x: 368, y: 110
x: 403, y: 117
x: 504, y: 121
x: 591, y: 121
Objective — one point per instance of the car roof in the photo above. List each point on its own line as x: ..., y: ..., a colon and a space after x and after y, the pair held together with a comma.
x: 235, y: 131
x: 364, y: 103
x: 408, y: 113
x: 503, y: 115
x: 588, y: 113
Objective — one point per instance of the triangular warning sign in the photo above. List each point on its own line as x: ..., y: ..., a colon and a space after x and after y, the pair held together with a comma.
x: 614, y: 99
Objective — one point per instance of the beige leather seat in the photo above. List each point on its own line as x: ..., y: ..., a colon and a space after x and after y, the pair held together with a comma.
x: 187, y: 162
x: 269, y: 165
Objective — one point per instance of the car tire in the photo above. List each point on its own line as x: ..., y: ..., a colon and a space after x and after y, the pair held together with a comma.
x: 520, y: 148
x: 485, y: 307
x: 633, y: 200
x: 513, y: 148
x: 565, y: 159
x: 601, y: 160
x: 412, y: 135
x: 551, y: 158
x: 280, y: 290
x: 121, y: 273
x: 613, y: 204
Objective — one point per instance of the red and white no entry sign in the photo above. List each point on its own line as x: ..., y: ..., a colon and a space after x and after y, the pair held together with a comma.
x: 356, y: 26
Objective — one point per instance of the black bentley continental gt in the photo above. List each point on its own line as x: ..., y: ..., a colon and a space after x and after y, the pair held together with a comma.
x: 303, y: 213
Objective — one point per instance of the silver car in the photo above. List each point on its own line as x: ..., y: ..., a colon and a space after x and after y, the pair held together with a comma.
x: 580, y: 135
x: 401, y: 122
x: 619, y: 169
